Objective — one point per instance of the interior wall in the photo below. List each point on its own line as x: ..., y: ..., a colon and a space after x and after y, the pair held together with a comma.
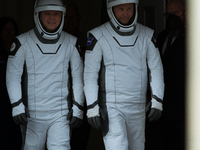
x: 22, y: 12
x: 151, y: 14
x: 93, y: 13
x: 90, y: 14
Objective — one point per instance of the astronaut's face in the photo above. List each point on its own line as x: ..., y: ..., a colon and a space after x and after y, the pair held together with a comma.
x: 50, y: 20
x: 124, y: 13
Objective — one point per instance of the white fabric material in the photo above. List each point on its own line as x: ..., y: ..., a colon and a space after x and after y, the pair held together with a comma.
x: 51, y: 129
x: 93, y: 90
x: 156, y: 104
x: 47, y: 69
x: 126, y: 127
x: 93, y: 112
x: 127, y: 60
x: 77, y: 112
x: 18, y: 110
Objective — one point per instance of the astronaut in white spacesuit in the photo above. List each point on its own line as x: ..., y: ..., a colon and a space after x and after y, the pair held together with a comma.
x: 45, y: 54
x: 118, y: 56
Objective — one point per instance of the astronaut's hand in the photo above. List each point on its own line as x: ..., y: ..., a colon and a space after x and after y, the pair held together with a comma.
x: 75, y: 122
x: 20, y: 119
x: 155, y: 109
x: 93, y: 115
x: 154, y: 114
x: 95, y: 122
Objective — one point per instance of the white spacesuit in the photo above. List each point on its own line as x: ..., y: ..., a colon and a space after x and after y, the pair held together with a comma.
x: 45, y: 58
x: 117, y: 61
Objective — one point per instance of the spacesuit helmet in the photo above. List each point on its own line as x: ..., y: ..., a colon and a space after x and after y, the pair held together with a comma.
x: 45, y: 5
x: 120, y: 28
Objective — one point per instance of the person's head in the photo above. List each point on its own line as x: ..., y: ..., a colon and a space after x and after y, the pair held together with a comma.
x: 8, y: 30
x: 175, y: 14
x: 123, y: 15
x: 49, y: 18
x: 72, y: 19
x: 176, y: 7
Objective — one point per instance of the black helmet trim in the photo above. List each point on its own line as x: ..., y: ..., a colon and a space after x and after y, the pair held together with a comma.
x: 122, y: 33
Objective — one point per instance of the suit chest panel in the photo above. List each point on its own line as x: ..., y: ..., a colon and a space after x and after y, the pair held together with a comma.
x: 129, y: 53
x: 46, y: 58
